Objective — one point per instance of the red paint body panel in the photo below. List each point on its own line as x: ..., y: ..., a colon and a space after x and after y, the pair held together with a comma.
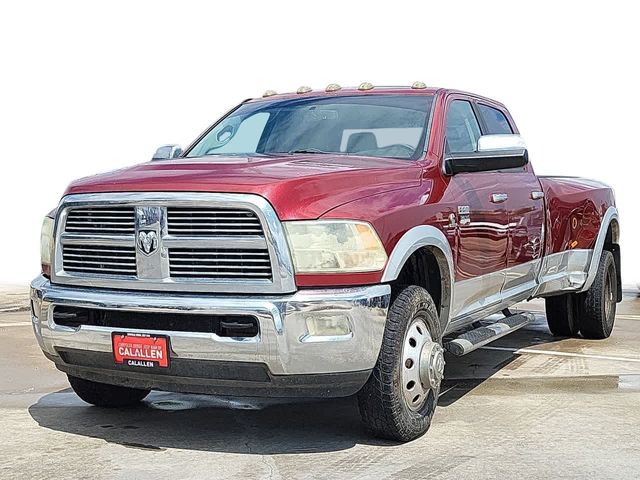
x: 298, y: 187
x: 394, y: 196
x: 575, y: 207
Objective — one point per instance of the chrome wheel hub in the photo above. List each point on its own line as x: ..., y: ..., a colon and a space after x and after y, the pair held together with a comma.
x: 422, y: 365
x: 432, y: 365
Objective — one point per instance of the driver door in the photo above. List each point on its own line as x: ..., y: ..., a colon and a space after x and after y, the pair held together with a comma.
x: 481, y: 221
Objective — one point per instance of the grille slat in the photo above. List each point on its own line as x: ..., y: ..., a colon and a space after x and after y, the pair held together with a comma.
x: 227, y: 253
x: 211, y: 263
x: 103, y: 260
x: 101, y: 220
x: 207, y: 212
x: 194, y: 230
x: 215, y: 224
x: 102, y: 270
x: 202, y: 274
x: 72, y: 256
x: 223, y: 260
x: 96, y: 219
x: 188, y: 268
x: 212, y: 221
x: 98, y: 263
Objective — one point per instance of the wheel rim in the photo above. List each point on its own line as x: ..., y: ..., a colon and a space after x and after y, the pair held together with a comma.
x: 422, y: 365
x: 609, y: 297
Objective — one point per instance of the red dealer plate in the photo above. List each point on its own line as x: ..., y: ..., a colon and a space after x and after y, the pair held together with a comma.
x: 141, y: 350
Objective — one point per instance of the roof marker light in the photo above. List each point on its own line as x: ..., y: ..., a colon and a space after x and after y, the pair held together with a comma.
x: 269, y: 93
x: 365, y: 86
x: 418, y: 85
x: 303, y: 89
x: 332, y: 87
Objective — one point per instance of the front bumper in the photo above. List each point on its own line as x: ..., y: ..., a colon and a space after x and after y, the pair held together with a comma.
x: 283, y: 360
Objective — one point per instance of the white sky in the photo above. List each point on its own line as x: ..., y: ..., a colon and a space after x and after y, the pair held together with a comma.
x: 87, y: 87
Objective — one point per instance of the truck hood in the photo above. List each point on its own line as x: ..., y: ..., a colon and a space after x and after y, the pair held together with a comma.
x: 298, y: 186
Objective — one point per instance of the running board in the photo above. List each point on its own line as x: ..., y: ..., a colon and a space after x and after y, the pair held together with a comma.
x: 473, y: 339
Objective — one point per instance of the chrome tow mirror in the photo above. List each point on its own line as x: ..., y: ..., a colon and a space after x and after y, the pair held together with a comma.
x: 495, y: 152
x: 488, y: 143
x: 167, y: 152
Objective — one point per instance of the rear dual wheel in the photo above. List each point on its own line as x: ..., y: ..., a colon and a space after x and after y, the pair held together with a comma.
x: 597, y: 311
x: 400, y: 397
x: 591, y: 313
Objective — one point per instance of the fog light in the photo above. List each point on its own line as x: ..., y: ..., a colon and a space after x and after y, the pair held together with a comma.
x: 328, y: 326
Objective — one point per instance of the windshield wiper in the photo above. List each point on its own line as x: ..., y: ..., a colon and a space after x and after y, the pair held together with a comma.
x: 308, y: 150
x: 311, y: 150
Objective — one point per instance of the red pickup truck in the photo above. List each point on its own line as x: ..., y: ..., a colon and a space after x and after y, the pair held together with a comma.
x: 321, y: 244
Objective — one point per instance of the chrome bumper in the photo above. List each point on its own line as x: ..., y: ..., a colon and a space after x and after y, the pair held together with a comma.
x: 283, y: 343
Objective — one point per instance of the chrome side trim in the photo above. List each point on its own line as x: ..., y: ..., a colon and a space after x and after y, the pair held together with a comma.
x: 433, y: 239
x: 474, y: 294
x: 609, y: 216
x: 283, y: 343
x: 283, y: 280
x: 521, y: 279
x: 563, y: 271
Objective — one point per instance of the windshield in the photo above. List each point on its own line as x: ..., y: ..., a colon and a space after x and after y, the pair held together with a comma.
x: 370, y: 125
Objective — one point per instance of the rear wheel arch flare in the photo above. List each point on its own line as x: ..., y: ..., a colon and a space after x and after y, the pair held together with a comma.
x: 609, y: 230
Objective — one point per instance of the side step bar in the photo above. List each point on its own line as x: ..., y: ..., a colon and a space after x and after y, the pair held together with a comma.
x: 473, y: 339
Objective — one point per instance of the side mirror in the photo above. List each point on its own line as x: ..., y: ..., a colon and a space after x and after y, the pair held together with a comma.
x: 495, y: 152
x: 167, y: 152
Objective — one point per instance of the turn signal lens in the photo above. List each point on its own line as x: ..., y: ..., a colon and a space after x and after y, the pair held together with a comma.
x: 342, y: 246
x: 46, y: 245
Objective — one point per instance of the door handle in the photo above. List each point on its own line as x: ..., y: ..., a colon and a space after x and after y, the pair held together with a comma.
x: 499, y: 197
x: 537, y: 195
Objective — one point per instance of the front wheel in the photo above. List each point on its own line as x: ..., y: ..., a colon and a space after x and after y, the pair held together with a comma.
x: 400, y: 397
x: 105, y: 395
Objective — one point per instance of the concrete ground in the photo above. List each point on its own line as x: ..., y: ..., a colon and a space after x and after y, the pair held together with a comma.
x: 527, y: 406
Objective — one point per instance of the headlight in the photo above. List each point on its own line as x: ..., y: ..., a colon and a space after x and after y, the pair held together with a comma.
x: 330, y: 246
x: 46, y: 244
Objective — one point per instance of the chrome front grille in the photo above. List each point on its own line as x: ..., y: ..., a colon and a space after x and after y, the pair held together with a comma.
x: 214, y: 263
x: 212, y: 221
x: 197, y: 242
x: 99, y: 259
x: 101, y: 220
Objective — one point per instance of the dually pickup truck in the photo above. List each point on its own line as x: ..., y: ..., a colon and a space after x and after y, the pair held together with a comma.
x: 321, y: 244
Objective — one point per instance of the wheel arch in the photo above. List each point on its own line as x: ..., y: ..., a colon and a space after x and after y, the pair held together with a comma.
x: 608, y: 239
x: 427, y: 246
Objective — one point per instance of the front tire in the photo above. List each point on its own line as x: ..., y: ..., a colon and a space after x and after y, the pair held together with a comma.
x: 399, y: 399
x: 105, y: 395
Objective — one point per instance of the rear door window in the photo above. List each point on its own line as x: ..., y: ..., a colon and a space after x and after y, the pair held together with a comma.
x: 495, y: 121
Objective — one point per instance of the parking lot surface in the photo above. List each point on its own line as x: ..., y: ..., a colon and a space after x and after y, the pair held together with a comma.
x: 526, y: 406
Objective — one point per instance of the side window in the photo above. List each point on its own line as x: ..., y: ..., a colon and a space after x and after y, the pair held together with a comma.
x: 463, y: 130
x: 495, y: 120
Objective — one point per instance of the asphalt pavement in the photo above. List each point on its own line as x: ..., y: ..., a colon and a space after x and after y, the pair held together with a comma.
x: 526, y: 406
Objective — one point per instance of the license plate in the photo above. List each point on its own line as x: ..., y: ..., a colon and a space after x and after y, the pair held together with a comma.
x: 141, y: 350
